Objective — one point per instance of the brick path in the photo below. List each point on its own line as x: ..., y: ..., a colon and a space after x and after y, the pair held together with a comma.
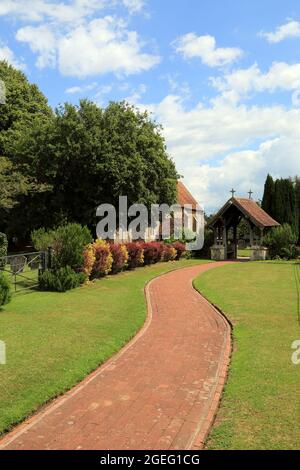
x: 160, y: 392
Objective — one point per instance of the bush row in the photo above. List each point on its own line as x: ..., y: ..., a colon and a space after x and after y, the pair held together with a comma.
x: 76, y: 258
x: 102, y: 258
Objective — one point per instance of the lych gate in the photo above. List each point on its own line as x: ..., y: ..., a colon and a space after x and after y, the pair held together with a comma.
x: 225, y: 225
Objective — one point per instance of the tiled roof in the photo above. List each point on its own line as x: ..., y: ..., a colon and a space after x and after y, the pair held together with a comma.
x: 256, y: 213
x: 184, y: 196
x: 250, y: 209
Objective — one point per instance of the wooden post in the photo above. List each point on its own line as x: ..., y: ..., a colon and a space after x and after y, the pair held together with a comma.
x: 251, y: 234
x: 225, y: 240
x: 235, y: 241
x: 261, y: 236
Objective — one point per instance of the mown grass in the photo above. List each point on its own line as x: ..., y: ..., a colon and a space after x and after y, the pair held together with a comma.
x: 54, y: 340
x: 261, y: 403
x: 244, y: 253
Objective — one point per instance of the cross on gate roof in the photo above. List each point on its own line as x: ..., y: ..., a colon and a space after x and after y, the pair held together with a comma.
x: 249, y: 209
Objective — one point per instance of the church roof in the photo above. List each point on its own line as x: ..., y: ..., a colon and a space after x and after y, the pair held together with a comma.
x: 250, y: 209
x: 184, y: 196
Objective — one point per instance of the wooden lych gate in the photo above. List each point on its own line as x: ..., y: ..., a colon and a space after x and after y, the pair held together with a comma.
x: 225, y: 225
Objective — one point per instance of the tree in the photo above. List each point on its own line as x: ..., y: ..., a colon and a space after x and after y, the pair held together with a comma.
x: 23, y: 102
x: 23, y: 108
x: 268, y: 197
x: 88, y: 156
x: 285, y: 203
x: 297, y: 194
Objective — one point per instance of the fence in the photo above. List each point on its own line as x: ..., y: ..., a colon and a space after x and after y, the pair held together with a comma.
x: 24, y: 269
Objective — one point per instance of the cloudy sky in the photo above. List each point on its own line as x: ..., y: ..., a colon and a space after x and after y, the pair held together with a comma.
x: 222, y: 76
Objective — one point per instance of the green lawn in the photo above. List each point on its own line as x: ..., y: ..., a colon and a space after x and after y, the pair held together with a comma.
x: 54, y: 340
x: 245, y: 253
x: 261, y: 403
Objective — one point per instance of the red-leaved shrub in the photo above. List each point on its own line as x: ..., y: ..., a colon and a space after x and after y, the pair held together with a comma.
x: 135, y: 254
x: 120, y: 257
x: 103, y: 259
x: 169, y: 253
x: 153, y: 252
x: 180, y: 248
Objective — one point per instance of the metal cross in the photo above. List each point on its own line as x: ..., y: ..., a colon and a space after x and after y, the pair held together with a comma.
x: 250, y: 194
x: 233, y: 191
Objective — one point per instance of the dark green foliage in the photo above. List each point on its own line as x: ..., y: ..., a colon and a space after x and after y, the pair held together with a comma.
x: 268, y: 197
x: 281, y: 242
x: 24, y: 111
x: 282, y: 201
x: 208, y: 243
x: 297, y: 193
x: 24, y: 102
x: 67, y: 242
x: 61, y: 280
x: 87, y: 156
x: 285, y: 203
x: 5, y: 290
x: 3, y: 248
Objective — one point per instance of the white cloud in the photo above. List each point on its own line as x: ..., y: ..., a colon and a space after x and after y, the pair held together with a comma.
x: 285, y: 31
x: 241, y: 82
x: 41, y: 41
x: 81, y: 89
x: 7, y: 54
x: 204, y: 47
x: 41, y: 10
x: 136, y: 94
x: 134, y: 6
x: 107, y: 47
x: 225, y: 144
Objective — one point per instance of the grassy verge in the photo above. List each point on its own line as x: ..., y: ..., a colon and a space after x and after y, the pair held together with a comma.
x: 54, y: 340
x: 261, y: 402
x: 245, y: 253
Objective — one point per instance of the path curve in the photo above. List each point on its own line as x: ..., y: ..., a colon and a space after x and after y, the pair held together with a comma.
x: 160, y: 392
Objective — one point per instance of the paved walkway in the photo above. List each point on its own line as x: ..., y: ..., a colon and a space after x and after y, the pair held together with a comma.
x: 160, y: 392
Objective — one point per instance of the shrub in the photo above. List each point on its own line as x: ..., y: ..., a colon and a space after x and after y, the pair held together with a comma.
x: 103, y: 259
x: 88, y: 260
x: 209, y: 239
x: 169, y: 253
x: 135, y: 254
x: 62, y: 280
x: 180, y: 249
x: 3, y: 249
x: 153, y: 252
x: 42, y: 239
x: 281, y: 242
x: 5, y: 290
x: 120, y: 257
x: 68, y: 243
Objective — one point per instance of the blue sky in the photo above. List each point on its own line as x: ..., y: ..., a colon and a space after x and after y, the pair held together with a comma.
x: 222, y: 76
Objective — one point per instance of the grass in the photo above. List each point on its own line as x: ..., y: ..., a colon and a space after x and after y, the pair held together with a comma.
x: 245, y: 253
x: 54, y: 340
x: 261, y: 402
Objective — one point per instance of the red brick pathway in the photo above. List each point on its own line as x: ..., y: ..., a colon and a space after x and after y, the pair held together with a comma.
x: 160, y: 392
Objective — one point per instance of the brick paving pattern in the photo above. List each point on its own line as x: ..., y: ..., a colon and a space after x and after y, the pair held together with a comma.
x: 160, y: 392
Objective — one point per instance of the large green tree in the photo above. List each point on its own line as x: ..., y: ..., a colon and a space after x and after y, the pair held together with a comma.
x: 23, y: 103
x: 268, y: 197
x: 285, y: 203
x: 87, y: 156
x: 22, y: 108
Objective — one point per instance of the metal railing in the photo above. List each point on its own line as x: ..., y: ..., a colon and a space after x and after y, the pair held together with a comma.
x: 24, y: 269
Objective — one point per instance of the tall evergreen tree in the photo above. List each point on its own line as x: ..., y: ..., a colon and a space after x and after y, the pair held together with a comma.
x: 297, y: 194
x: 268, y: 197
x: 284, y: 210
